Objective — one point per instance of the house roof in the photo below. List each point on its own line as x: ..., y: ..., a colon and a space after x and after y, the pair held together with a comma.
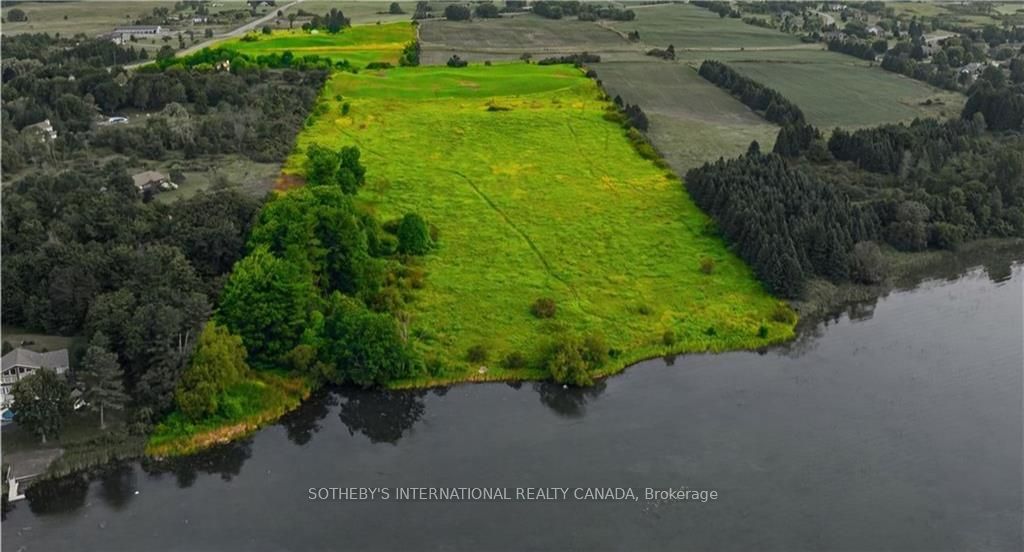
x: 41, y: 125
x: 32, y: 359
x: 145, y: 177
x: 137, y: 28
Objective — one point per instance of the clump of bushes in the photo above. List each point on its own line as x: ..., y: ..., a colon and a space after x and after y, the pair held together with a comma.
x: 410, y: 54
x: 707, y: 265
x: 514, y: 361
x: 668, y: 338
x: 783, y: 314
x: 570, y: 360
x: 666, y: 54
x: 379, y: 65
x: 456, y: 61
x: 477, y: 353
x: 544, y: 308
x: 867, y: 265
x: 413, y: 235
x: 575, y: 59
x: 762, y: 332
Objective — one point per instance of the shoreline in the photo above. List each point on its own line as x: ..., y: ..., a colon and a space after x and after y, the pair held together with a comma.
x: 825, y: 301
x: 908, y: 270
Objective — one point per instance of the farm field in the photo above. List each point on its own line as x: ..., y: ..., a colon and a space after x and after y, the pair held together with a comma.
x: 358, y: 12
x: 832, y: 92
x: 510, y: 37
x: 686, y: 26
x: 360, y: 44
x: 91, y: 18
x: 692, y: 120
x: 536, y: 195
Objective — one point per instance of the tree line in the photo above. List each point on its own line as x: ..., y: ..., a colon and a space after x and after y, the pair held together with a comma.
x: 773, y: 105
x: 85, y: 254
x: 245, y: 110
x: 321, y: 291
x: 821, y: 209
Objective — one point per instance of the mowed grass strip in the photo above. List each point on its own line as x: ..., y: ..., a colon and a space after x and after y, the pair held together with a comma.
x: 359, y: 45
x: 536, y: 195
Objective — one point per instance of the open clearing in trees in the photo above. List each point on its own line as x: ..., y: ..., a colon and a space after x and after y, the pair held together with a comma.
x: 536, y: 195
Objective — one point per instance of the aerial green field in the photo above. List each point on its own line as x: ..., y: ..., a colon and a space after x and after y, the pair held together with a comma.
x: 536, y: 195
x: 685, y: 26
x: 834, y: 92
x: 360, y: 44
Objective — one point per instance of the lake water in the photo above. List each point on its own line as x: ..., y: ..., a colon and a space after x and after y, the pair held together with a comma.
x: 897, y: 427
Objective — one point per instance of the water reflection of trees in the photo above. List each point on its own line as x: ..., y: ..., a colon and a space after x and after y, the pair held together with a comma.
x: 55, y: 496
x: 224, y: 460
x: 302, y: 423
x: 382, y: 416
x: 570, y: 402
x: 117, y: 485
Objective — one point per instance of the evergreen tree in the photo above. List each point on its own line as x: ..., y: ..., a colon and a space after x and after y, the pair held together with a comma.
x: 100, y: 379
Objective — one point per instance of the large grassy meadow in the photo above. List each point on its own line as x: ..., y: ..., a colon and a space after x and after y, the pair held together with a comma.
x: 536, y: 195
x: 359, y: 44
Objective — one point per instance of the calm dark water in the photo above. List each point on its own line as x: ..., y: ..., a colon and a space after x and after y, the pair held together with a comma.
x: 897, y: 429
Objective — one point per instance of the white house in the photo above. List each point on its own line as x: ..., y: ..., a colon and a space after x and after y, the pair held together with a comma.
x: 139, y: 30
x: 21, y: 363
x: 43, y: 129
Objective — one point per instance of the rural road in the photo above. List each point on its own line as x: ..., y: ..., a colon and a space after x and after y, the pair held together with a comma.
x: 232, y: 33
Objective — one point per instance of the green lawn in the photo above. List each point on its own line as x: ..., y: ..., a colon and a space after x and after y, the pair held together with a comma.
x: 542, y: 199
x: 359, y: 45
x: 35, y: 341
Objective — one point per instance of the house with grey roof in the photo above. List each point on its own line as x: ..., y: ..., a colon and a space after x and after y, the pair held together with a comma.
x: 21, y: 363
x: 152, y: 181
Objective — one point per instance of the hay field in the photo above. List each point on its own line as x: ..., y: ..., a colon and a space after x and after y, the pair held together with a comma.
x: 692, y: 120
x: 834, y: 92
x: 508, y: 38
x: 359, y: 44
x: 685, y: 26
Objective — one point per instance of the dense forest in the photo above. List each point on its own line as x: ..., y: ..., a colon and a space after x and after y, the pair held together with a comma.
x: 83, y: 255
x: 813, y: 208
x: 244, y: 111
x: 84, y: 252
x: 755, y: 95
